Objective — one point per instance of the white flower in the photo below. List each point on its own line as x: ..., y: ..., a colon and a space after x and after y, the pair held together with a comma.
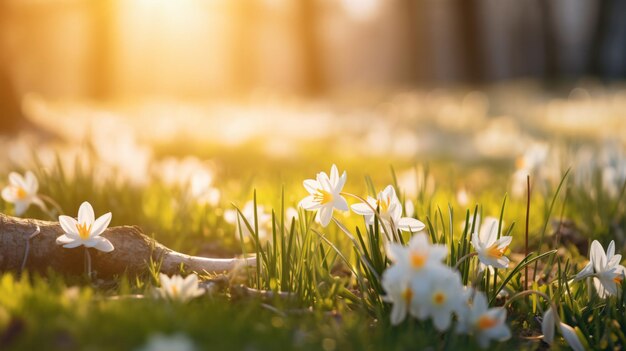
x: 264, y: 221
x: 547, y: 326
x: 411, y: 263
x: 201, y: 188
x: 418, y: 255
x: 325, y: 194
x: 484, y: 322
x: 438, y: 295
x: 160, y: 342
x: 607, y: 273
x: 535, y: 155
x: 86, y: 231
x: 178, y: 288
x: 569, y: 334
x: 490, y: 249
x: 22, y: 192
x: 390, y: 211
x: 399, y: 294
x: 462, y: 196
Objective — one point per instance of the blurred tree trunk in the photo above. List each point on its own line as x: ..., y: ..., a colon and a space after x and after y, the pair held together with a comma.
x: 469, y: 27
x: 609, y: 47
x: 312, y: 75
x: 11, y: 117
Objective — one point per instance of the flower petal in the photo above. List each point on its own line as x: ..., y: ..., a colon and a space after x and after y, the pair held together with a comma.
x: 341, y: 182
x: 597, y: 256
x: 326, y: 214
x: 64, y: 239
x: 476, y: 242
x: 398, y: 312
x: 585, y: 272
x: 190, y: 283
x: 396, y: 252
x: 21, y: 207
x: 103, y: 244
x: 362, y: 209
x: 8, y: 194
x: 334, y: 175
x: 309, y: 203
x: 17, y: 180
x: 341, y: 204
x: 68, y: 224
x: 311, y: 185
x: 615, y: 260
x: 504, y: 241
x: 32, y: 185
x: 85, y: 213
x: 480, y: 302
x: 610, y: 251
x: 569, y: 334
x: 101, y: 224
x: 410, y: 225
x: 73, y: 244
x: 442, y: 320
x: 488, y: 231
x: 548, y: 326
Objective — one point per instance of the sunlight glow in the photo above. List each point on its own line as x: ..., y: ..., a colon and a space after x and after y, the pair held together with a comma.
x: 361, y: 9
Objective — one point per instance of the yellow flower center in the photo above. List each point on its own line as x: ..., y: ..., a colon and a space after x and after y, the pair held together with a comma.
x: 418, y: 260
x: 84, y: 230
x: 407, y: 295
x: 20, y: 193
x: 383, y: 205
x: 439, y: 298
x: 322, y: 196
x: 486, y: 322
x: 618, y: 279
x: 496, y: 252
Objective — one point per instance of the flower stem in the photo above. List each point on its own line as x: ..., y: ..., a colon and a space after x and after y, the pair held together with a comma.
x: 87, y: 263
x: 27, y: 248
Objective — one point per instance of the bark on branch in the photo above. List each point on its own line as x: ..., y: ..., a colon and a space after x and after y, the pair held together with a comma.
x: 132, y: 254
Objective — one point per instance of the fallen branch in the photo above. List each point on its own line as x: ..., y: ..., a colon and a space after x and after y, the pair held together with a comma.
x: 133, y: 252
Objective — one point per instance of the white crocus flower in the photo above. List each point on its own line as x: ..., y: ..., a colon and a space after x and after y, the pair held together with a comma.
x: 411, y: 263
x: 418, y: 254
x: 22, y: 192
x: 438, y: 295
x: 547, y: 326
x: 178, y: 288
x: 489, y: 248
x: 605, y: 268
x: 86, y: 231
x: 325, y: 194
x: 484, y: 322
x: 390, y: 211
x: 569, y: 334
x: 399, y: 294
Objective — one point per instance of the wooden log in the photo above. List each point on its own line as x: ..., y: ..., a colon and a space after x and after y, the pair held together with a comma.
x: 132, y: 255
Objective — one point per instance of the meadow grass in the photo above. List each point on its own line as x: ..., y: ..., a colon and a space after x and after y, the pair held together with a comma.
x: 329, y: 278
